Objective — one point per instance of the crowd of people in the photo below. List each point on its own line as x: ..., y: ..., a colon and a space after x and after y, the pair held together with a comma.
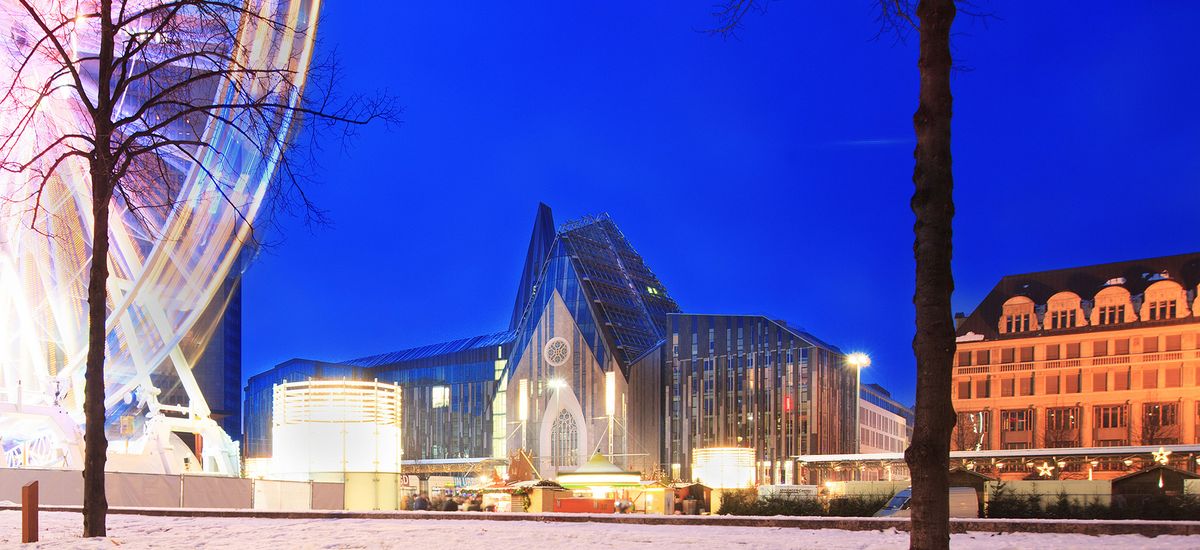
x: 452, y: 503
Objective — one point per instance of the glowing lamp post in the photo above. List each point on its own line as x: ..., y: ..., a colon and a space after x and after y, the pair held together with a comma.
x: 859, y: 361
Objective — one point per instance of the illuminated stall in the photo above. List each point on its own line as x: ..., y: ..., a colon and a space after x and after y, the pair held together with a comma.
x: 598, y: 481
x: 724, y: 467
x: 348, y: 430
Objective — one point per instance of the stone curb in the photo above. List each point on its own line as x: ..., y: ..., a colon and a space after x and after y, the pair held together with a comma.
x: 1083, y: 527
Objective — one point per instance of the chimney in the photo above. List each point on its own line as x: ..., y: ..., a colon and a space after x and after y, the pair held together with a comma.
x: 959, y: 317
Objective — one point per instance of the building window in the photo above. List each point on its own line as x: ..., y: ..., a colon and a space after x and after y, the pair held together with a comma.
x: 1121, y: 346
x: 1062, y: 425
x: 1062, y: 319
x: 1006, y: 387
x: 1160, y: 423
x: 1016, y: 323
x: 970, y: 432
x: 1150, y: 378
x: 1112, y: 315
x: 1111, y: 416
x: 440, y: 397
x: 1052, y: 384
x: 1163, y: 309
x: 1017, y: 428
x: 1100, y: 381
x: 564, y: 440
x: 1072, y: 383
x: 1015, y: 420
x: 1121, y: 380
x: 1052, y: 351
x: 1026, y: 385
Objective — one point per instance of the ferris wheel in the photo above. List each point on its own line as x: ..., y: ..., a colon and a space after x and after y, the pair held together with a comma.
x: 166, y: 265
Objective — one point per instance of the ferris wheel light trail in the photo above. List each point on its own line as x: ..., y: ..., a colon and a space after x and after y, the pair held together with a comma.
x: 166, y: 264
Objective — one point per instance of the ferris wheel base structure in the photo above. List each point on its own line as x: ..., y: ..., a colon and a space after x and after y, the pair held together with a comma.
x: 158, y: 450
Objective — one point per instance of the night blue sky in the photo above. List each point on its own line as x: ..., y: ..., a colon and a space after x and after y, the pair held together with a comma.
x: 768, y: 174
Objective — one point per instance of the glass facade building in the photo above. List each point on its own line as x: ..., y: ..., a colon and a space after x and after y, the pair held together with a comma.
x: 591, y: 361
x: 748, y: 381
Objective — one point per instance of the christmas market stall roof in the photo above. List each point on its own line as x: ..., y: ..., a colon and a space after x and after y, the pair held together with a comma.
x: 599, y: 471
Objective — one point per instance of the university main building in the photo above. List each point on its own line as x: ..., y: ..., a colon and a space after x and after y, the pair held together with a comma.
x: 598, y: 357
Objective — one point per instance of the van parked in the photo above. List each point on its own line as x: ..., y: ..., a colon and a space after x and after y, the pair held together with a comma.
x: 964, y: 503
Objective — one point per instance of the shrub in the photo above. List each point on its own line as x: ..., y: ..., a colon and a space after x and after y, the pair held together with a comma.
x: 738, y: 503
x: 857, y: 506
x: 747, y: 503
x: 1004, y: 503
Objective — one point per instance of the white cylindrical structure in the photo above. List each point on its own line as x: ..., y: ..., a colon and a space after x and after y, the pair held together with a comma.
x: 331, y: 426
x: 723, y: 467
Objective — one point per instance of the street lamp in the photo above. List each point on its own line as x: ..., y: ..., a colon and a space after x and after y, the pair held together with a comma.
x: 859, y: 361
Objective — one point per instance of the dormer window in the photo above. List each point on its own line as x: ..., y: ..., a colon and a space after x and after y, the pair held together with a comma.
x: 1164, y: 299
x: 1113, y: 307
x: 1064, y: 310
x: 1018, y: 316
x: 1164, y: 309
x: 1062, y: 319
x: 1112, y: 315
x: 1016, y: 323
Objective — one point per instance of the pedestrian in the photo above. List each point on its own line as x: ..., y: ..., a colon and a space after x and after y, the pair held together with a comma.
x: 476, y: 505
x: 451, y: 505
x: 421, y: 502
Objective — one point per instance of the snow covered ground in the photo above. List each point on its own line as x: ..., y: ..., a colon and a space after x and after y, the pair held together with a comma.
x: 61, y: 530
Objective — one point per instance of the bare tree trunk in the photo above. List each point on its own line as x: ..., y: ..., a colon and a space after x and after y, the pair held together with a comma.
x: 929, y: 456
x: 95, y: 449
x: 95, y: 453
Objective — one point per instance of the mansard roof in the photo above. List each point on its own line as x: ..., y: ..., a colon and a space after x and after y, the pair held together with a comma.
x: 1133, y: 275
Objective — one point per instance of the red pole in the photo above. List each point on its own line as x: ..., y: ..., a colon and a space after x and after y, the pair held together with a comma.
x: 29, y: 512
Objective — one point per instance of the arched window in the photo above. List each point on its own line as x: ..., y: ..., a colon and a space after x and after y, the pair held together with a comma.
x: 564, y: 440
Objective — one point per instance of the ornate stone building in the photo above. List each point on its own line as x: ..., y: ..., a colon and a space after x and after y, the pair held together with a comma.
x: 1098, y: 356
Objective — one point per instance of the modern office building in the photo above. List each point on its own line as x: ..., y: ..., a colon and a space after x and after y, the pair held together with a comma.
x: 748, y: 381
x: 1103, y: 356
x: 591, y: 363
x: 884, y: 425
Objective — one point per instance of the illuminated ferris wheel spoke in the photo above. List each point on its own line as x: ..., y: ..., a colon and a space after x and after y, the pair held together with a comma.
x: 167, y: 259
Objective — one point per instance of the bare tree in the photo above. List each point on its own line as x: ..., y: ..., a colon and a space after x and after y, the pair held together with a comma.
x: 970, y: 432
x: 928, y: 456
x: 155, y: 85
x: 1159, y: 424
